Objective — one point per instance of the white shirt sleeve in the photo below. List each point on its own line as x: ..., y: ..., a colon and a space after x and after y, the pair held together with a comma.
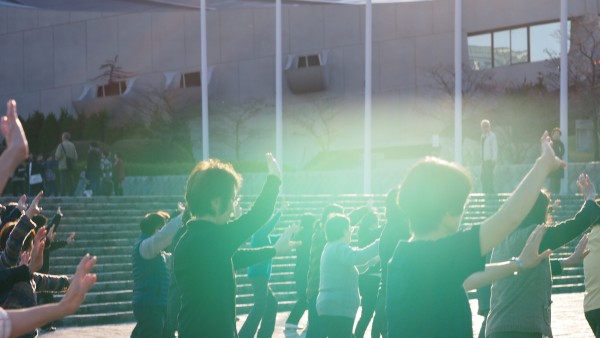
x: 151, y: 247
x: 5, y: 324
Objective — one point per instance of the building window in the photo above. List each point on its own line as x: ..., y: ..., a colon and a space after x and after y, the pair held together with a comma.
x: 190, y: 80
x: 309, y: 60
x: 505, y: 47
x: 114, y: 88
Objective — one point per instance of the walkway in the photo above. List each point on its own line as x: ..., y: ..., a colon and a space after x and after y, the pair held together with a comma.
x: 567, y: 314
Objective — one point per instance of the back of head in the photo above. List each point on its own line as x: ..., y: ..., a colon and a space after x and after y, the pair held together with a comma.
x: 431, y: 189
x: 210, y: 179
x: 369, y: 220
x: 39, y: 220
x: 336, y: 227
x: 539, y: 211
x: 153, y: 222
x: 307, y: 222
x: 329, y: 210
x: 66, y: 136
x: 5, y: 233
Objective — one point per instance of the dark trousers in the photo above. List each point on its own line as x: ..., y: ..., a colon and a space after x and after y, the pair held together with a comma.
x: 337, y: 326
x: 315, y: 329
x: 487, y: 177
x: 368, y: 285
x: 173, y: 308
x: 379, y: 327
x: 35, y: 189
x: 593, y: 318
x: 301, y: 304
x: 67, y: 182
x: 263, y: 312
x: 150, y: 320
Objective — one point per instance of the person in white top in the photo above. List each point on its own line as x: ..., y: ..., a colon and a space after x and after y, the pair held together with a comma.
x: 489, y: 155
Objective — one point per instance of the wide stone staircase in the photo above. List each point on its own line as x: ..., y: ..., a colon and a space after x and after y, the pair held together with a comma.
x: 108, y: 226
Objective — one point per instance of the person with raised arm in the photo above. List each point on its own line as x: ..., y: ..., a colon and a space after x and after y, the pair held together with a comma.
x: 151, y: 276
x: 520, y: 304
x: 427, y: 272
x: 17, y: 148
x: 203, y: 256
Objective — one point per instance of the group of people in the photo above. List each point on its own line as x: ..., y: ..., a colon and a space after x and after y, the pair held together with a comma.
x: 25, y: 241
x: 415, y: 270
x: 58, y: 174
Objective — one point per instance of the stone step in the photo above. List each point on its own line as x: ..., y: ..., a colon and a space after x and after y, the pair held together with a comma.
x: 97, y: 319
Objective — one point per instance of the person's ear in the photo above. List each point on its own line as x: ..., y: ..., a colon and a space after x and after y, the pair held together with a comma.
x: 450, y: 222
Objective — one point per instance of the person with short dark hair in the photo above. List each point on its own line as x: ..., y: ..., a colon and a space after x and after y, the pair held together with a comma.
x: 520, y: 305
x: 426, y: 273
x: 203, y: 256
x: 339, y: 299
x: 151, y: 276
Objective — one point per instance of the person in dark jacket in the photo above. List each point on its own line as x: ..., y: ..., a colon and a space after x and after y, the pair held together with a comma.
x: 203, y: 256
x: 307, y: 229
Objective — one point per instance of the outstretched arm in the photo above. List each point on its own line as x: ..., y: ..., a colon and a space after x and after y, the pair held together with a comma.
x: 151, y: 247
x: 25, y: 320
x: 504, y: 221
x: 528, y: 259
x: 566, y: 231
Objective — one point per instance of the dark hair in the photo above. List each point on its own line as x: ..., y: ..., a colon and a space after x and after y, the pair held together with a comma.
x: 336, y: 227
x: 210, y: 179
x: 9, y: 208
x: 308, y: 221
x: 153, y: 221
x: 357, y: 214
x: 330, y: 209
x: 5, y: 234
x: 39, y: 220
x: 431, y: 189
x: 368, y: 220
x: 539, y: 211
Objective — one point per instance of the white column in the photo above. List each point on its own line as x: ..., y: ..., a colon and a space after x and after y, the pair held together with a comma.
x: 458, y: 81
x: 564, y: 88
x: 368, y: 81
x: 204, y: 74
x: 278, y: 87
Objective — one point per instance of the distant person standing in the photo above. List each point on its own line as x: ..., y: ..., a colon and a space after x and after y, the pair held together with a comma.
x: 489, y: 155
x: 66, y: 155
x: 559, y: 151
x: 93, y: 171
x: 118, y: 174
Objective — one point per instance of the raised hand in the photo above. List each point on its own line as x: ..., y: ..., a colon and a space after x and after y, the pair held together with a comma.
x: 529, y: 255
x: 548, y: 157
x: 273, y: 166
x: 12, y: 130
x: 22, y: 203
x: 81, y: 282
x: 586, y: 187
x: 58, y: 212
x: 37, y: 254
x: 51, y: 234
x: 285, y: 244
x: 71, y: 238
x: 34, y: 208
x: 579, y: 254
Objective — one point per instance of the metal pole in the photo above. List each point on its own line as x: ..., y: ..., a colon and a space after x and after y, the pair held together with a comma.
x: 458, y: 81
x: 564, y: 88
x: 278, y: 87
x: 368, y: 82
x: 204, y: 74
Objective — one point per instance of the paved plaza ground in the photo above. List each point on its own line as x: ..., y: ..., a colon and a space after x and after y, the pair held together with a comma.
x: 567, y: 321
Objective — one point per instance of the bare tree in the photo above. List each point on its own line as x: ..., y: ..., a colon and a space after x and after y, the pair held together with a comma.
x: 231, y: 124
x: 315, y: 116
x: 111, y: 71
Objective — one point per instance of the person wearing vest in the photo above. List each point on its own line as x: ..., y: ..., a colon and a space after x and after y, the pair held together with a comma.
x: 520, y: 304
x: 151, y: 276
